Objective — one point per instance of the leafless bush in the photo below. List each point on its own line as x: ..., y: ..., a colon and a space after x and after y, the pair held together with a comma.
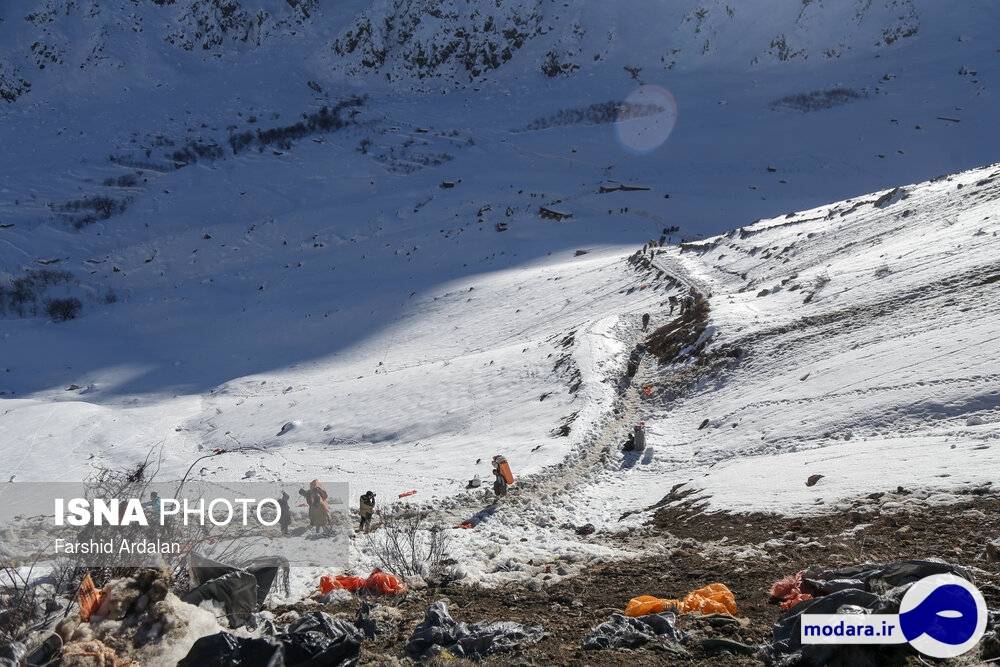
x: 23, y: 294
x: 596, y: 114
x: 408, y: 544
x: 61, y: 310
x: 22, y: 602
x: 326, y: 119
x: 91, y: 210
x: 818, y: 100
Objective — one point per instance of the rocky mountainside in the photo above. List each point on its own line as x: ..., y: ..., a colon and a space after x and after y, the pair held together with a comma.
x: 435, y: 43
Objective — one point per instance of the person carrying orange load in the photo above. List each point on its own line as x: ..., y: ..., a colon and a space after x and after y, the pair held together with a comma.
x: 503, y: 476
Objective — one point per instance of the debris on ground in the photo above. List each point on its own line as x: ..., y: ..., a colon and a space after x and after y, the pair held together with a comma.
x: 240, y: 590
x: 138, y: 621
x: 788, y: 591
x: 439, y: 633
x: 88, y: 597
x: 91, y: 653
x: 314, y: 639
x: 712, y: 599
x: 621, y: 631
x: 867, y: 588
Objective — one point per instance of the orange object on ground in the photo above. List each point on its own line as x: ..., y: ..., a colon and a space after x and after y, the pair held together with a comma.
x: 647, y: 604
x: 328, y: 583
x: 88, y: 597
x: 411, y: 492
x: 466, y: 524
x: 712, y: 599
x: 647, y: 390
x: 789, y: 590
x: 384, y: 583
x: 341, y: 581
x: 505, y: 472
x: 378, y: 581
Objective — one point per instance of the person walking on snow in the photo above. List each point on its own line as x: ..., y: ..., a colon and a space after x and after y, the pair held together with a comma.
x: 319, y: 511
x: 499, y: 483
x: 367, y: 511
x: 645, y: 321
x: 284, y: 513
x: 639, y: 437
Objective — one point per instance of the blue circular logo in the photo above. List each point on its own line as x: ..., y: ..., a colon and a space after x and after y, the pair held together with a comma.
x: 943, y: 615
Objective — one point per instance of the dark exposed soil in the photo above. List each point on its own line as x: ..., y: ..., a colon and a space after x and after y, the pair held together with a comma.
x: 693, y: 556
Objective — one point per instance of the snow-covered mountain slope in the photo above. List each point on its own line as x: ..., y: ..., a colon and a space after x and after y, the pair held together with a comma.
x: 858, y: 341
x: 261, y: 230
x: 434, y: 42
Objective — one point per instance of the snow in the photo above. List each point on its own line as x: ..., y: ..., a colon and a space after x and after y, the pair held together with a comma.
x: 873, y: 383
x: 325, y: 279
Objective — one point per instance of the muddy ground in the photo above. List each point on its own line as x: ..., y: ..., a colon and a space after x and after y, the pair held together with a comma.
x: 693, y: 556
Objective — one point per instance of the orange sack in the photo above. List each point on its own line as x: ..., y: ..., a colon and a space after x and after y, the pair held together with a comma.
x: 647, y: 604
x: 712, y: 599
x: 384, y: 583
x: 378, y: 582
x: 340, y: 582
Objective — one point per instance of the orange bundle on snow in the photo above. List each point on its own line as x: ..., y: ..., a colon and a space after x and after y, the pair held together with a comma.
x: 406, y: 494
x: 711, y: 599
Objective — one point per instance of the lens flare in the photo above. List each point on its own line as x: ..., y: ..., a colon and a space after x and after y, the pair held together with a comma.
x: 646, y: 119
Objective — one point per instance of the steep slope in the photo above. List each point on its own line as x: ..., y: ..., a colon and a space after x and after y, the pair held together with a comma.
x: 856, y: 341
x: 250, y: 236
x: 445, y: 42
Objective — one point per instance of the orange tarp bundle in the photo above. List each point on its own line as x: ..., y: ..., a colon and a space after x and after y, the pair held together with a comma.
x: 712, y: 599
x: 384, y: 583
x: 341, y: 582
x: 379, y: 582
x: 88, y: 597
x: 647, y: 604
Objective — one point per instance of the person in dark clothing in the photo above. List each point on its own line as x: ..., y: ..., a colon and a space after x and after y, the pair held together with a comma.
x: 639, y: 437
x: 673, y: 304
x: 284, y: 513
x: 499, y: 483
x: 367, y: 510
x: 645, y: 321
